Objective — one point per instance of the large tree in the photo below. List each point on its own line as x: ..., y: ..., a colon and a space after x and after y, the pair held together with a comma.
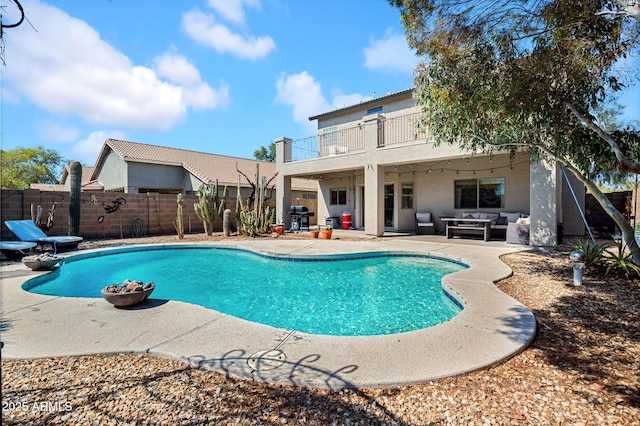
x: 528, y: 75
x: 23, y: 166
x: 266, y: 154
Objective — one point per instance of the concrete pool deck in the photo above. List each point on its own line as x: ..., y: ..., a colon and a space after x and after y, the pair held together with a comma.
x: 491, y: 328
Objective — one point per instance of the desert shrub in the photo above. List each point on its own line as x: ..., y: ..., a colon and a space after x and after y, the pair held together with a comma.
x: 593, y: 252
x: 620, y: 262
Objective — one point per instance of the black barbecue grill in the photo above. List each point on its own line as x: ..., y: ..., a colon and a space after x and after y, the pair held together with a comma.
x: 299, y: 217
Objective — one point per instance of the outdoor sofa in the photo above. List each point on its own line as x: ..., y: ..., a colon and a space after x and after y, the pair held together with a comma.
x: 489, y: 224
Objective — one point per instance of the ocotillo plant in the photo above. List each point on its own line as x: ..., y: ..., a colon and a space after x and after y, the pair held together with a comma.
x: 75, y: 198
x: 210, y: 205
x: 178, y: 223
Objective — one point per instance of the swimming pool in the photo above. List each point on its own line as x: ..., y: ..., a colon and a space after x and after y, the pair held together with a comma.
x: 345, y: 295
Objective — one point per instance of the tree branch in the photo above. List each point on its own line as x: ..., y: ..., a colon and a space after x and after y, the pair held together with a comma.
x: 631, y: 9
x: 253, y: 185
x: 626, y: 165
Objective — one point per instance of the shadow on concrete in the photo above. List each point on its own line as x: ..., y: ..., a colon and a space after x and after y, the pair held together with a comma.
x: 5, y: 325
x: 146, y: 304
x: 300, y: 372
x: 519, y: 323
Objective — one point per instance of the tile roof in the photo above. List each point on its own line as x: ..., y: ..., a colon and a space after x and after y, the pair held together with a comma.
x: 364, y: 104
x: 87, y: 183
x: 206, y: 167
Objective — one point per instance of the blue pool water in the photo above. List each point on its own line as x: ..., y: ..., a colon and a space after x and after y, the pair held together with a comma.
x: 360, y: 295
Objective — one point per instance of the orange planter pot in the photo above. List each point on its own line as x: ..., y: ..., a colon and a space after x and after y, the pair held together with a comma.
x: 314, y: 234
x: 326, y: 235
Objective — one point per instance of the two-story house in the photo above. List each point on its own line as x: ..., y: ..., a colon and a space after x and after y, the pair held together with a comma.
x: 370, y: 161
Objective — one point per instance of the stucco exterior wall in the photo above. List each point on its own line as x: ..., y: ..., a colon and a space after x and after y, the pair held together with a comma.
x: 191, y: 183
x: 155, y: 176
x: 572, y: 222
x: 113, y: 174
x: 391, y: 156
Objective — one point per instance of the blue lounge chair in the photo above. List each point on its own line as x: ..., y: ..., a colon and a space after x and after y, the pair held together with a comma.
x: 26, y: 230
x: 15, y: 249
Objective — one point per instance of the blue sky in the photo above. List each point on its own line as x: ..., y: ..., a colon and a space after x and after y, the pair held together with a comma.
x: 218, y: 76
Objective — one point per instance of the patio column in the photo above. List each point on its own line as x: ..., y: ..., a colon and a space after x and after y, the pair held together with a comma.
x: 283, y: 183
x: 543, y: 200
x: 373, y: 180
x: 373, y: 199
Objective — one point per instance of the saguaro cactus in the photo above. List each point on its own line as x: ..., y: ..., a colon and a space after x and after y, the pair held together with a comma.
x: 210, y: 205
x: 75, y: 197
x: 178, y: 223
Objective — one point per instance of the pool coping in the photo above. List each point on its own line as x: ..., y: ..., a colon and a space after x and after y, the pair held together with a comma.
x: 492, y: 328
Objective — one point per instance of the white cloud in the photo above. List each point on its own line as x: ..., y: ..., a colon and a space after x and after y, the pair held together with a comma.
x: 87, y: 149
x: 196, y: 93
x: 55, y: 131
x: 304, y: 94
x: 202, y: 28
x: 390, y: 53
x: 233, y: 10
x: 177, y: 69
x: 66, y: 68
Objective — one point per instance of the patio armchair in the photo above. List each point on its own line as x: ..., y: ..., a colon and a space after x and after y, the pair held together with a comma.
x: 424, y: 224
x: 27, y: 231
x: 518, y: 232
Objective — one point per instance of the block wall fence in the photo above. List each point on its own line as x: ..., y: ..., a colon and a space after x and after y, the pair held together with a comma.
x: 156, y: 212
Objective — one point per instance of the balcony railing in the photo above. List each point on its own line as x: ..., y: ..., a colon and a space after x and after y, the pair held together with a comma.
x: 402, y: 129
x: 390, y: 131
x: 335, y: 142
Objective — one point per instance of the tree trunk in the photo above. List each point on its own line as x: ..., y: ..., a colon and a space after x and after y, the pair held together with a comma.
x: 628, y: 233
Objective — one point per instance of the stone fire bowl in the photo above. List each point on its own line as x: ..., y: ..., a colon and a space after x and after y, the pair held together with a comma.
x: 127, y: 299
x: 38, y: 264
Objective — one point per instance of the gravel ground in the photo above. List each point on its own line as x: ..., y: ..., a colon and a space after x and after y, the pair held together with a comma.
x: 583, y: 368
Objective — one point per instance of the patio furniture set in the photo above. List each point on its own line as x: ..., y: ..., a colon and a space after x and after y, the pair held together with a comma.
x: 514, y: 226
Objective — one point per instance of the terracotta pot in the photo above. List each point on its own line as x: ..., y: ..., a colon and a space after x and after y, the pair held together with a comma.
x: 314, y: 234
x: 326, y: 235
x: 279, y: 229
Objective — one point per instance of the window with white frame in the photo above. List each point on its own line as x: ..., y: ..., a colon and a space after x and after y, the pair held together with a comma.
x: 406, y: 201
x: 338, y: 196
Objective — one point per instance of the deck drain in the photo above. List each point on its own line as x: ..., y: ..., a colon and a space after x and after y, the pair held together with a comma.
x: 266, y: 360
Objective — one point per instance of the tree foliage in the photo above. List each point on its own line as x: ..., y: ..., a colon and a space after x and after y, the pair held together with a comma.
x: 266, y: 154
x: 23, y: 166
x: 526, y: 75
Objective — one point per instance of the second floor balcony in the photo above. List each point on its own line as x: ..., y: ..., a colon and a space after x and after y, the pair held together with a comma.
x: 333, y: 141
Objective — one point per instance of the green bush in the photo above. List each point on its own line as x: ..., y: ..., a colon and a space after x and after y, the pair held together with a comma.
x: 621, y: 262
x: 593, y: 252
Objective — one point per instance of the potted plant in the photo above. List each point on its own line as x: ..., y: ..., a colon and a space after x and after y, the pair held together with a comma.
x: 277, y: 228
x: 315, y: 232
x: 326, y: 233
